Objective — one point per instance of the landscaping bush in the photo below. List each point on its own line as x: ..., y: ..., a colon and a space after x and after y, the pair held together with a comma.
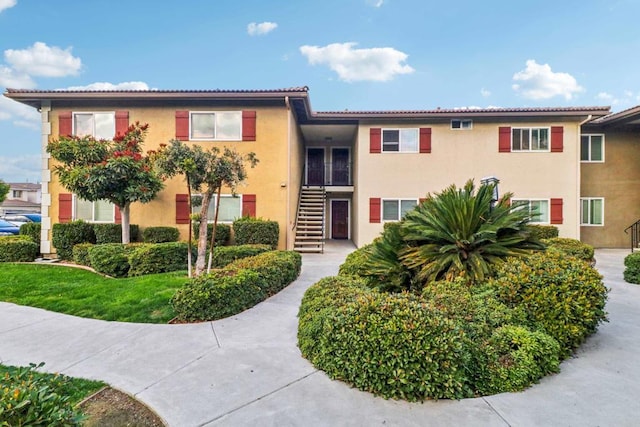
x: 81, y: 253
x: 160, y: 234
x: 110, y: 259
x: 220, y: 294
x: 277, y: 269
x: 543, y: 231
x: 571, y: 247
x: 153, y: 258
x: 29, y: 399
x: 563, y: 296
x: 66, y: 235
x: 223, y: 233
x: 632, y: 270
x: 31, y: 229
x: 256, y: 231
x: 112, y: 233
x: 18, y: 249
x: 224, y: 255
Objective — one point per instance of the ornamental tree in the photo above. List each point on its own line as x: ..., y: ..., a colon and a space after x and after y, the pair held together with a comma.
x: 114, y: 170
x: 4, y: 190
x: 206, y: 172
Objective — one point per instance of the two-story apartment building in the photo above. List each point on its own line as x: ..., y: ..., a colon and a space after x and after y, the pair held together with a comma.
x: 341, y: 175
x: 22, y: 197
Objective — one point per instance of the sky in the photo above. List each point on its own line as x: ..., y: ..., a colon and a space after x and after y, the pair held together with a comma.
x: 352, y: 54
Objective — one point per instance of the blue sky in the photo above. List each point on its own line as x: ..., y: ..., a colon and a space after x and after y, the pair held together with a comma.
x: 352, y: 54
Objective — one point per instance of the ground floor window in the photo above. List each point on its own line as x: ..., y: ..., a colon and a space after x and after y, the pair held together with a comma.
x: 395, y: 209
x: 98, y: 211
x: 230, y: 208
x: 592, y: 211
x: 538, y: 209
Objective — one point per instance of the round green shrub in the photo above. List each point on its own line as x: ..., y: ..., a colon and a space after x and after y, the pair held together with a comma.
x: 66, y: 235
x: 110, y: 259
x: 223, y: 233
x: 225, y: 255
x: 160, y: 234
x: 543, y: 231
x: 256, y: 231
x: 81, y: 253
x: 31, y: 229
x: 571, y: 247
x: 112, y: 233
x: 18, y: 249
x: 220, y: 294
x: 561, y: 295
x: 153, y: 258
x: 355, y: 263
x: 632, y: 268
x: 277, y: 269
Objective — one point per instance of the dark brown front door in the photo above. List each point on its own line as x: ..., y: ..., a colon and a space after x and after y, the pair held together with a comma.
x: 315, y: 166
x: 340, y: 167
x: 339, y: 219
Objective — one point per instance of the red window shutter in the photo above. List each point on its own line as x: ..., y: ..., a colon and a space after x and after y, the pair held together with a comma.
x: 65, y: 123
x: 249, y: 205
x: 556, y: 211
x: 182, y: 209
x: 118, y: 215
x: 122, y: 122
x: 504, y: 140
x: 425, y: 140
x: 182, y: 126
x: 374, y: 210
x: 65, y: 207
x: 421, y: 200
x: 557, y: 137
x: 375, y: 140
x: 248, y: 125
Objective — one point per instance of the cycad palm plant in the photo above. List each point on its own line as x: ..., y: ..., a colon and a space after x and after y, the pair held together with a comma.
x: 463, y: 233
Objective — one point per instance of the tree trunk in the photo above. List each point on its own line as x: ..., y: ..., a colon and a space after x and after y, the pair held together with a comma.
x: 190, y: 241
x: 124, y: 214
x: 213, y: 232
x: 202, y: 234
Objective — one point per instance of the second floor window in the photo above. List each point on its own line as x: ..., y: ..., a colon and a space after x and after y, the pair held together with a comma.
x: 592, y: 148
x: 400, y: 140
x: 98, y: 125
x: 208, y: 126
x: 530, y: 139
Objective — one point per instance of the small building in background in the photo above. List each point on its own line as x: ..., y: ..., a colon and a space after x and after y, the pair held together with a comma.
x: 22, y: 197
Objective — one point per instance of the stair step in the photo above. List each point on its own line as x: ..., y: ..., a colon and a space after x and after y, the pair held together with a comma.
x: 309, y: 250
x: 315, y: 242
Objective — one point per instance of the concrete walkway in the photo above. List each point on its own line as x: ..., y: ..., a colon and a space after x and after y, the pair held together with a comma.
x: 247, y: 369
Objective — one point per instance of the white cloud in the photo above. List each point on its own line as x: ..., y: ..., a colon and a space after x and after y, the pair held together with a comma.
x: 111, y: 86
x: 21, y: 115
x: 375, y: 64
x: 485, y: 93
x: 6, y: 4
x: 627, y: 98
x: 607, y: 97
x: 10, y: 78
x: 375, y: 3
x: 21, y: 168
x: 42, y: 60
x: 537, y: 81
x: 260, y: 29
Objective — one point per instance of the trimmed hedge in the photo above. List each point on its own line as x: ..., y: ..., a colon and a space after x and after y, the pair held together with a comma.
x: 112, y: 233
x: 571, y: 247
x: 81, y: 253
x: 110, y: 259
x: 249, y: 231
x: 543, y: 231
x: 223, y: 233
x: 160, y: 234
x: 153, y: 258
x: 225, y: 255
x: 31, y: 229
x: 66, y: 235
x: 632, y: 268
x: 562, y: 296
x: 238, y: 286
x: 18, y: 249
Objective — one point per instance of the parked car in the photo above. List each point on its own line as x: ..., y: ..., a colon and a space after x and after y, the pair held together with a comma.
x: 22, y: 218
x: 34, y: 217
x: 7, y: 228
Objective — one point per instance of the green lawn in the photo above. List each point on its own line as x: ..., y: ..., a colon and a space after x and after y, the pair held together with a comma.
x: 143, y: 299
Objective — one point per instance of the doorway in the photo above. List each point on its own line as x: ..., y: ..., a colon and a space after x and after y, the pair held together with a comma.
x: 340, y: 219
x: 340, y: 166
x: 315, y: 166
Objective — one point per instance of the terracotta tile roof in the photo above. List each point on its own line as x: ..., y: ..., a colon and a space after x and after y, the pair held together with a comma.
x: 628, y: 113
x: 29, y: 186
x: 163, y: 91
x: 454, y: 111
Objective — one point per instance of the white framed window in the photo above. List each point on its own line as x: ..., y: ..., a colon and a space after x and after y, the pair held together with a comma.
x: 230, y: 208
x: 17, y: 194
x: 400, y: 140
x: 592, y: 148
x: 530, y: 139
x: 218, y: 125
x: 98, y: 125
x: 537, y: 208
x: 592, y: 211
x: 99, y: 211
x: 462, y: 124
x: 396, y: 209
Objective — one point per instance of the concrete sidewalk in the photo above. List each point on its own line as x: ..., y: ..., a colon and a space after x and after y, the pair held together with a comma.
x: 247, y: 369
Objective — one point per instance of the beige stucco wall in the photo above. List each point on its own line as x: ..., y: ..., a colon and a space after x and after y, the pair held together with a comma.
x: 265, y: 180
x: 458, y: 155
x: 617, y: 180
x: 296, y: 162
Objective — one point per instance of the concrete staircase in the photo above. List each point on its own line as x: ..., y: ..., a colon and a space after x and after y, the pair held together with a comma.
x: 310, y: 221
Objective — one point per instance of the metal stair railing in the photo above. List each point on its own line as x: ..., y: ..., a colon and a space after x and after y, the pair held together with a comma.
x: 635, y: 234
